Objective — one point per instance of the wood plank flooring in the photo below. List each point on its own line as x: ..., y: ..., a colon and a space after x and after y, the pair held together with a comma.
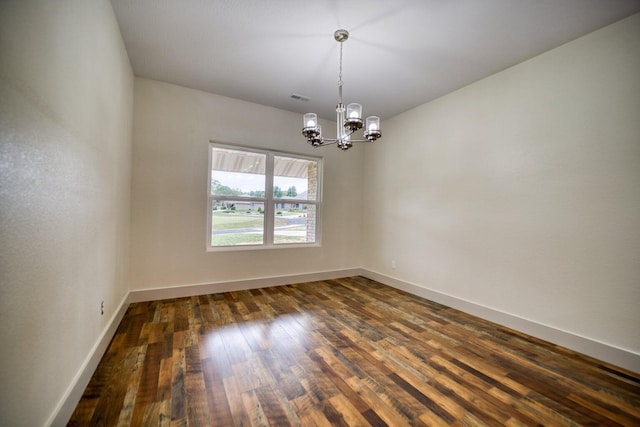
x: 347, y: 352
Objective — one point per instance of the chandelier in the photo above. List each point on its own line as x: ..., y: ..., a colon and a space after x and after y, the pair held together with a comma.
x: 348, y: 119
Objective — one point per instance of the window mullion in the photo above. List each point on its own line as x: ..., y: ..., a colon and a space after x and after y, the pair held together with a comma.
x: 269, y: 206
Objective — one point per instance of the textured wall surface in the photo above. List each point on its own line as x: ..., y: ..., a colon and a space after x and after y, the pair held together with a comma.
x: 521, y: 192
x: 66, y: 106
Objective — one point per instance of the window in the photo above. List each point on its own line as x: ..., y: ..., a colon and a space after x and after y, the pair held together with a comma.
x: 262, y: 199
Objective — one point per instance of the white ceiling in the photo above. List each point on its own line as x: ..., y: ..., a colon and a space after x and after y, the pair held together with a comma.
x: 400, y: 53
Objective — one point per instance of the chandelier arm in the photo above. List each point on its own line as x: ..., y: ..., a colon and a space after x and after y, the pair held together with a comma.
x: 349, y: 132
x: 360, y: 140
x: 323, y: 142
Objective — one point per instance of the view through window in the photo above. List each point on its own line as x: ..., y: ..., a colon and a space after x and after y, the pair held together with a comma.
x: 260, y: 198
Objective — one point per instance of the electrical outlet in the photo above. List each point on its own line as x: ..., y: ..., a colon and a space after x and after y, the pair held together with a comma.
x: 102, y: 308
x: 393, y: 264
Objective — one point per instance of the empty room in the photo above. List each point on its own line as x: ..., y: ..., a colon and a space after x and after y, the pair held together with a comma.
x: 350, y: 213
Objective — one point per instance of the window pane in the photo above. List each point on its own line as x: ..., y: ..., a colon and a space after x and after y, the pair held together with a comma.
x: 237, y: 222
x: 295, y: 178
x: 294, y: 223
x: 237, y: 173
x: 241, y: 209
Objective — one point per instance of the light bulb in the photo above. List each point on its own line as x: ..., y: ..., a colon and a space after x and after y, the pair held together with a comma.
x: 310, y: 120
x: 354, y: 111
x: 373, y: 123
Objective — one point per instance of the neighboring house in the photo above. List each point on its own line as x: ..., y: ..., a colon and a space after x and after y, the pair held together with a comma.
x: 242, y: 205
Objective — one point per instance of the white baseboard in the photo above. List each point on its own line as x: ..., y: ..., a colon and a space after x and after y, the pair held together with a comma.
x: 616, y: 356
x: 69, y: 401
x: 236, y: 285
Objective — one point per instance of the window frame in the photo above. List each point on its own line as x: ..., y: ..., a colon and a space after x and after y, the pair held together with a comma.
x: 269, y: 201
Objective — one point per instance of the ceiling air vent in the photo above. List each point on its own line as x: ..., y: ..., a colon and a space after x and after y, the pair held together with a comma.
x: 300, y: 97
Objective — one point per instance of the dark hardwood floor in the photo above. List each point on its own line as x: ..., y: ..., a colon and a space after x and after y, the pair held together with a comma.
x: 341, y: 352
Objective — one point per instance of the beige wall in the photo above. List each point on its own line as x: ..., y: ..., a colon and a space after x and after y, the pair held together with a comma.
x: 66, y: 105
x: 172, y: 129
x: 521, y: 192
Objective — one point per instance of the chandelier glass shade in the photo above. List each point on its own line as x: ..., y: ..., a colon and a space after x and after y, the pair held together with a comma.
x: 348, y: 120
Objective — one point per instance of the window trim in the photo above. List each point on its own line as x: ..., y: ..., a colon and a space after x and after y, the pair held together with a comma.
x: 269, y: 201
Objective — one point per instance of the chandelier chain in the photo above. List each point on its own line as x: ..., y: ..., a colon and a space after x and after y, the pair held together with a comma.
x: 340, y: 75
x: 340, y: 72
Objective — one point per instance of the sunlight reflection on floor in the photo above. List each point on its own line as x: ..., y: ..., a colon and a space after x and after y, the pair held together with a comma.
x: 288, y: 333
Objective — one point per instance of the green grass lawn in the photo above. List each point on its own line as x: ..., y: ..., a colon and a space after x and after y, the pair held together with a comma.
x: 226, y: 220
x: 229, y: 221
x: 233, y: 239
